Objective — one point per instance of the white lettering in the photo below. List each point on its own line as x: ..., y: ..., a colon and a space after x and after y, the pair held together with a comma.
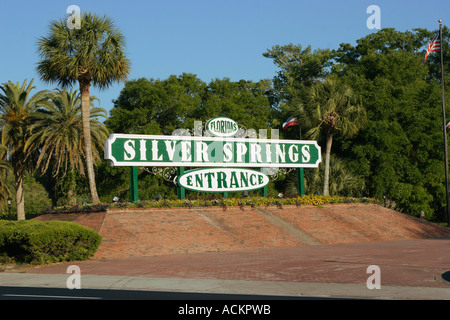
x: 201, y: 149
x: 228, y: 152
x: 143, y: 150
x: 170, y: 147
x: 129, y: 153
x: 293, y: 156
x: 374, y: 21
x: 241, y: 150
x: 155, y: 151
x: 255, y: 153
x: 280, y: 153
x: 268, y: 153
x: 74, y: 281
x: 195, y: 310
x: 74, y: 21
x: 374, y: 281
x: 306, y: 156
x: 185, y: 151
x: 246, y: 309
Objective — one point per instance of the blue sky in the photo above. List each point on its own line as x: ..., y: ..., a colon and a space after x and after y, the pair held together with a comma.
x: 212, y: 39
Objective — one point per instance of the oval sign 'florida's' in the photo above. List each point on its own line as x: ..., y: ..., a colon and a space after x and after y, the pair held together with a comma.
x: 222, y: 127
x: 223, y: 180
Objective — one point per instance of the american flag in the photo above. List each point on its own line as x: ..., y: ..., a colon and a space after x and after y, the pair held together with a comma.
x: 291, y: 121
x: 435, y: 45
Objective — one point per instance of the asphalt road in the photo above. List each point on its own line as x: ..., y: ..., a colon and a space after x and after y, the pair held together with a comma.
x: 45, y: 293
x: 169, y: 304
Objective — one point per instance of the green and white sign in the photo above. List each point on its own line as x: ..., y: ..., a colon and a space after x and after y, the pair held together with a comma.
x: 195, y: 151
x: 222, y: 127
x: 223, y: 180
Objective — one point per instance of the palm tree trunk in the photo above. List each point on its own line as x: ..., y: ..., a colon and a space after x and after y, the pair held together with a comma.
x: 20, y: 200
x: 85, y: 118
x: 326, y: 177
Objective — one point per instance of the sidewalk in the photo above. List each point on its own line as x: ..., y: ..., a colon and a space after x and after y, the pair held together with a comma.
x: 410, y: 269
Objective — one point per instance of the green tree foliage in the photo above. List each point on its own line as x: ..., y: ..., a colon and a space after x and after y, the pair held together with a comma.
x: 57, y: 135
x: 36, y: 197
x: 91, y: 55
x: 331, y: 107
x: 5, y: 167
x: 246, y: 102
x: 400, y: 151
x: 16, y: 105
x: 57, y: 132
x: 161, y: 106
x: 157, y: 106
x: 343, y: 181
x: 298, y: 69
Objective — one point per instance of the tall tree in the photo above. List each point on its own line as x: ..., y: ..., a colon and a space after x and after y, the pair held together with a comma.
x: 331, y: 107
x: 157, y: 106
x: 299, y: 68
x: 343, y: 181
x: 57, y: 134
x: 4, y: 168
x: 16, y: 106
x: 244, y: 101
x: 160, y: 106
x: 91, y: 55
x: 400, y: 151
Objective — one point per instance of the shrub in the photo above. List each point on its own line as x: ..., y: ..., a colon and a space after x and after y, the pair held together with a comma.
x: 76, y: 209
x: 38, y: 242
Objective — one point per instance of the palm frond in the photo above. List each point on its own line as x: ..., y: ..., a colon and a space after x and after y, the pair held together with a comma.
x: 57, y: 132
x: 95, y: 53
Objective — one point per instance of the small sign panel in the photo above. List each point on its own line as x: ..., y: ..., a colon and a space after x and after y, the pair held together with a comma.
x: 222, y: 127
x: 223, y: 180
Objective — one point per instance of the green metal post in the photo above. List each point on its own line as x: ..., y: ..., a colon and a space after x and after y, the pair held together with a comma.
x: 181, y: 192
x: 300, y: 182
x: 300, y: 176
x: 264, y: 189
x: 133, y: 184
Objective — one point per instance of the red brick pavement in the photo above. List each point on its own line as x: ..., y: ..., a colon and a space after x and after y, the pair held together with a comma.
x: 266, y: 244
x: 149, y: 232
x: 404, y: 263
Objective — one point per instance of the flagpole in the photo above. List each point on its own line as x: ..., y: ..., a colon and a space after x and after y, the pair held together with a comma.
x: 300, y: 174
x: 444, y: 121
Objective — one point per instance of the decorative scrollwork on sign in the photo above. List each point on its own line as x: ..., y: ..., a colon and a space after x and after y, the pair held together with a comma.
x: 242, y: 132
x: 181, y: 132
x: 277, y: 173
x: 167, y: 173
x: 200, y: 130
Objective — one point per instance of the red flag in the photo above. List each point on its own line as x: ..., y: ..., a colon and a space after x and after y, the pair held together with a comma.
x: 434, y: 46
x: 291, y: 121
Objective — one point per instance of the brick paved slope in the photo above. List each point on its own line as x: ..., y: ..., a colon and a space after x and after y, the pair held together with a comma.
x: 146, y: 232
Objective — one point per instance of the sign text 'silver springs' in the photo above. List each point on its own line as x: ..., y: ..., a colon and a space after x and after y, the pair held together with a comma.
x: 195, y: 151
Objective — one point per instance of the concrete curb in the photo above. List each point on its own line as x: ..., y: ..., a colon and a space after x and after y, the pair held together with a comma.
x: 281, y: 288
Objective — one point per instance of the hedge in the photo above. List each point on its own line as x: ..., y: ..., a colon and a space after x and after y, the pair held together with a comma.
x: 39, y: 242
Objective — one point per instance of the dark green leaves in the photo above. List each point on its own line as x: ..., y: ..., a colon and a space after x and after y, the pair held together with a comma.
x: 162, y: 106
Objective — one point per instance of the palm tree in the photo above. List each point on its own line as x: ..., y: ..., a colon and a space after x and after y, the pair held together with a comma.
x: 16, y: 105
x: 5, y: 167
x: 57, y: 133
x: 331, y: 107
x: 342, y: 180
x: 91, y: 55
